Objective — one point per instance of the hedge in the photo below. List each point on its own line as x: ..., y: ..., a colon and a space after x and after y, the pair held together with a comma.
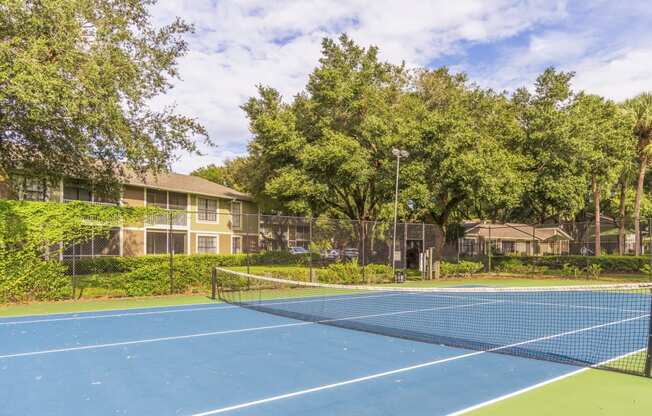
x: 618, y: 264
x: 126, y: 276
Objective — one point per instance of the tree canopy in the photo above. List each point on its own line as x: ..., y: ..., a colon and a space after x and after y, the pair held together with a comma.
x: 330, y: 148
x: 544, y: 153
x: 76, y: 81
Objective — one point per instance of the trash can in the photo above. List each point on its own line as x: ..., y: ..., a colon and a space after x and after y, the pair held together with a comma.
x: 399, y: 276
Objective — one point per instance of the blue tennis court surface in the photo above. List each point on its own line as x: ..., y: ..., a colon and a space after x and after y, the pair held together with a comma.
x: 223, y: 359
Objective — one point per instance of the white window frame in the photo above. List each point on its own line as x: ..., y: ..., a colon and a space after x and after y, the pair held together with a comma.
x: 217, y: 210
x: 217, y: 243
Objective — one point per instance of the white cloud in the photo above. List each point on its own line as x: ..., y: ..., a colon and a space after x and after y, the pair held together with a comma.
x: 241, y: 43
x: 619, y: 76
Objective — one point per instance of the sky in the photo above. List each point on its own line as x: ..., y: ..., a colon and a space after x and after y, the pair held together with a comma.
x: 501, y: 44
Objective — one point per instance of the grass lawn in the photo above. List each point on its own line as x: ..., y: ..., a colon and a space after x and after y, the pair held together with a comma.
x: 590, y: 393
x: 40, y: 308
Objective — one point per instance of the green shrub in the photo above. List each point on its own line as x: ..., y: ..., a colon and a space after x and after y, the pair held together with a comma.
x: 617, y: 264
x: 594, y: 270
x: 570, y: 270
x: 463, y: 268
x: 516, y: 266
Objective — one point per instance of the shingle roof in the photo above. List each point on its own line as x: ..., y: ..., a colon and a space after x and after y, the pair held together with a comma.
x: 511, y: 231
x: 177, y: 182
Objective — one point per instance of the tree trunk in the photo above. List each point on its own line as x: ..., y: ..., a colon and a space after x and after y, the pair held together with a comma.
x: 637, y: 204
x: 439, y: 243
x: 621, y: 216
x: 596, y: 213
x: 438, y: 249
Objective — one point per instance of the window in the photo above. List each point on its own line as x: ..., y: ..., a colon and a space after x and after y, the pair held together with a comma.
x: 508, y: 247
x: 79, y: 190
x: 207, y: 209
x: 178, y: 201
x: 207, y: 244
x: 236, y: 244
x: 30, y: 189
x: 468, y: 246
x: 157, y: 198
x: 167, y: 200
x: 76, y: 191
x: 178, y: 243
x: 157, y: 242
x: 236, y: 214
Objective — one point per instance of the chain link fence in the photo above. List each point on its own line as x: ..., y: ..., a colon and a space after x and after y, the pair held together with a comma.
x: 173, y: 252
x: 167, y: 253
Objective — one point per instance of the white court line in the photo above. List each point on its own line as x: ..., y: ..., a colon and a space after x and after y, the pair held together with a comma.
x: 225, y: 332
x: 150, y: 340
x: 115, y: 315
x: 402, y: 370
x: 538, y: 385
x: 158, y: 312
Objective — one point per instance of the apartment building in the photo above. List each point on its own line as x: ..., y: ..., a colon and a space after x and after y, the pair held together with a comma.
x: 216, y: 219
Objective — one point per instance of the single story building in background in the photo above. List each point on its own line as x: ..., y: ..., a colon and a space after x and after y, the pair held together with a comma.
x: 511, y: 238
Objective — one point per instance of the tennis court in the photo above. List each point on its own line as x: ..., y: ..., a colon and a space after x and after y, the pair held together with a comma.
x: 348, y: 353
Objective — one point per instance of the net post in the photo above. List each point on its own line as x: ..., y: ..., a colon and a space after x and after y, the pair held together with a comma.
x: 214, y: 283
x: 489, y: 252
x: 649, y: 235
x: 648, y: 359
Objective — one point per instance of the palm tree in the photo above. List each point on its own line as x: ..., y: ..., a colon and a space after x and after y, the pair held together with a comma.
x: 639, y: 114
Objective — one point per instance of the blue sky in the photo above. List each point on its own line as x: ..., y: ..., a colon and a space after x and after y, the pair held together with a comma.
x: 502, y: 44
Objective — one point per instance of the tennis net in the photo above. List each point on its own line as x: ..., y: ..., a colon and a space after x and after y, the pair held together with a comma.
x: 601, y: 326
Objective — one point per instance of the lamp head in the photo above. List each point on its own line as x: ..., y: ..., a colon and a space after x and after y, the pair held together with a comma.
x: 400, y: 153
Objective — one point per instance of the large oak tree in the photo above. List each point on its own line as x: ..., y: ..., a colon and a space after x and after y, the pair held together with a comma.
x: 76, y: 81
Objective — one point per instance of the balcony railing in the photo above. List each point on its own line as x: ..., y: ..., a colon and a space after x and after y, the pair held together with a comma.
x: 107, y: 203
x: 179, y: 219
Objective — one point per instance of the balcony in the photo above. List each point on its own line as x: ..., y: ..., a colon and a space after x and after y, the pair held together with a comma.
x: 179, y: 220
x: 106, y: 203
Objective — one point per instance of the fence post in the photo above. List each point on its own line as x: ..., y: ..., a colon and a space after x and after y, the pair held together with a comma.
x: 363, y: 236
x: 171, y: 254
x: 245, y: 242
x: 534, y: 241
x: 423, y: 251
x: 73, y: 283
x: 489, y: 252
x: 404, y: 255
x: 311, y: 276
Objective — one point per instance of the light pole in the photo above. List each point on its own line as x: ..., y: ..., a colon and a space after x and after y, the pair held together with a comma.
x: 399, y: 154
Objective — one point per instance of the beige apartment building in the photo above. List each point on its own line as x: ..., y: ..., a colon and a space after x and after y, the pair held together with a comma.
x: 216, y: 219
